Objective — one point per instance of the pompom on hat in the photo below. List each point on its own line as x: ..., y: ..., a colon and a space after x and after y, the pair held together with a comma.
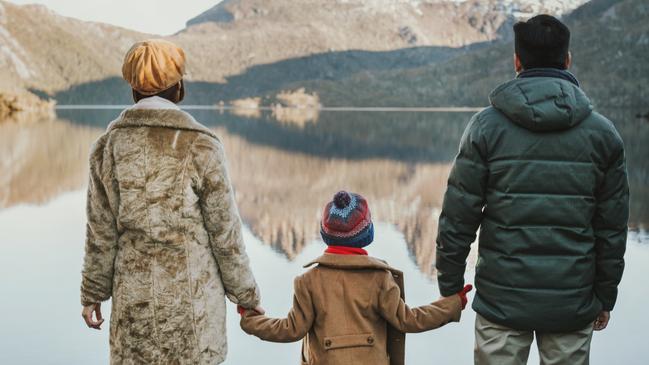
x: 153, y: 65
x: 346, y: 221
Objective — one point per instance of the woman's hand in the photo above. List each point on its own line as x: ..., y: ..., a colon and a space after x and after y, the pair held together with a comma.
x: 258, y: 309
x: 86, y: 313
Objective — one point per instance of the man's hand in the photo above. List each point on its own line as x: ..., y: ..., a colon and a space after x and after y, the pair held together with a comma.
x: 86, y: 313
x: 602, y: 320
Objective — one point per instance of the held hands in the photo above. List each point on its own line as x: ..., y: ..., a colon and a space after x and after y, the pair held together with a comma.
x: 258, y: 310
x: 462, y: 293
x: 86, y: 313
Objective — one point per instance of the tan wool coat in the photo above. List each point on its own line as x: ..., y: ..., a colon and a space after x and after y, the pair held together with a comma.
x: 349, y: 310
x: 163, y: 240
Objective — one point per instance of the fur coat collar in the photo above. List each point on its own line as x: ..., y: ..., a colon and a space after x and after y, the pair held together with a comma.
x: 165, y: 118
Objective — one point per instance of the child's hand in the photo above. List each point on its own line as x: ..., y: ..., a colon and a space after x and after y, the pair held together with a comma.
x: 258, y: 310
x: 467, y: 288
x: 241, y: 310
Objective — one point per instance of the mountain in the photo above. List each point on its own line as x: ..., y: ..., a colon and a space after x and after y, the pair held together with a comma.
x: 229, y: 11
x: 237, y: 34
x: 610, y: 46
x: 62, y: 57
x: 349, y: 52
x: 42, y: 50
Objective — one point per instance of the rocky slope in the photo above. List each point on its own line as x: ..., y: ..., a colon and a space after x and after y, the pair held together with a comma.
x: 610, y: 45
x: 240, y: 33
x: 51, y: 53
x: 42, y: 50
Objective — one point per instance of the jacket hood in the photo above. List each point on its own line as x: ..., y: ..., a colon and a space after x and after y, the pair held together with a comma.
x: 542, y: 104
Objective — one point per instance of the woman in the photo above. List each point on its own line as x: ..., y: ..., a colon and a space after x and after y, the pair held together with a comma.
x: 163, y: 234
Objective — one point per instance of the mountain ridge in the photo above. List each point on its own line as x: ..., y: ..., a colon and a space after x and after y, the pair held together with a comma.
x: 610, y: 44
x: 48, y: 53
x: 44, y: 50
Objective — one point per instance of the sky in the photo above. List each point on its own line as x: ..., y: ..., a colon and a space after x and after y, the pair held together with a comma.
x: 161, y: 17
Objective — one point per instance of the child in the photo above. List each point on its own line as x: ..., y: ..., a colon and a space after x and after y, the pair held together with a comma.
x: 350, y: 309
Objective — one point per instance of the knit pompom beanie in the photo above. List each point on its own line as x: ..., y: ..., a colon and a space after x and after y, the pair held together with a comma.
x: 346, y: 221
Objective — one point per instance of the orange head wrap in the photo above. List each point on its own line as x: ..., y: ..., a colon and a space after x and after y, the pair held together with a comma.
x: 153, y: 65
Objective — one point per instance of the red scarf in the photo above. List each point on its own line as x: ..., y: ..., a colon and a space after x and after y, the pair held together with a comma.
x: 342, y: 250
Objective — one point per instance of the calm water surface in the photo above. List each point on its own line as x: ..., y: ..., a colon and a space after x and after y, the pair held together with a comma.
x: 284, y: 168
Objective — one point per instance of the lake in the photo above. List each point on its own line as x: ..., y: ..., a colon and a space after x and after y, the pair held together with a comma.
x: 285, y: 167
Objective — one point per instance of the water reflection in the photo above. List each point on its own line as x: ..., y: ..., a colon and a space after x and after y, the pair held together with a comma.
x: 403, y: 136
x: 280, y: 192
x: 284, y: 172
x: 42, y: 159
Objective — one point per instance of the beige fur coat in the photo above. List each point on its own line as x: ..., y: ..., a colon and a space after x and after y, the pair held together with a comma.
x: 164, y: 240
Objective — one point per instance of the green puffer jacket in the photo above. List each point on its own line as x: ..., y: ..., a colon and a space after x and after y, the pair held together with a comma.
x: 544, y: 177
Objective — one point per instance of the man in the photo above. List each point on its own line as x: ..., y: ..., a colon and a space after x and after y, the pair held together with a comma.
x: 164, y: 234
x: 544, y: 177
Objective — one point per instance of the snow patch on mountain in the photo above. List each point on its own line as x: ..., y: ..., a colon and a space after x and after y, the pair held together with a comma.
x: 517, y: 8
x: 527, y: 8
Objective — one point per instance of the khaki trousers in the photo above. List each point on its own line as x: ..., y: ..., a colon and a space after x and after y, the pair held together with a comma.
x: 499, y: 345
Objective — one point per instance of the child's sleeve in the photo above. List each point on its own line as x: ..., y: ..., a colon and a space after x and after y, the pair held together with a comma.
x: 427, y: 317
x: 290, y: 329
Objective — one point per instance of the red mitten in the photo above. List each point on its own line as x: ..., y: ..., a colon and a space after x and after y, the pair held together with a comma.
x: 467, y: 288
x: 241, y: 310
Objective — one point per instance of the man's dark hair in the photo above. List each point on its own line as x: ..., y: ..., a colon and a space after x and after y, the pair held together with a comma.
x: 542, y: 41
x: 175, y: 94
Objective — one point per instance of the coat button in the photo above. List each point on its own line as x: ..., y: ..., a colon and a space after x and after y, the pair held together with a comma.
x: 327, y: 343
x: 370, y: 340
